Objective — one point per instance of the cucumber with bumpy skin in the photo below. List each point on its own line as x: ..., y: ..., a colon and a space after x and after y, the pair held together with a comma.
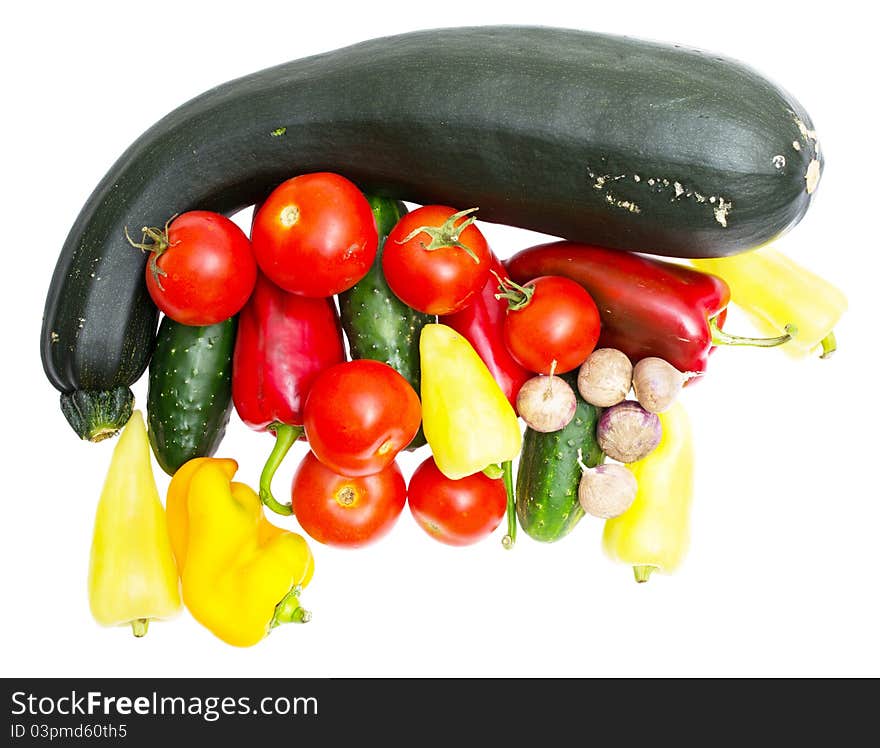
x: 377, y: 324
x: 190, y: 394
x: 548, y: 477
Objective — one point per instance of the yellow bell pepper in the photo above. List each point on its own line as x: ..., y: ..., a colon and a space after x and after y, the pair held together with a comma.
x: 775, y: 291
x: 653, y: 534
x: 241, y: 576
x: 468, y: 421
x: 176, y: 509
x: 132, y: 576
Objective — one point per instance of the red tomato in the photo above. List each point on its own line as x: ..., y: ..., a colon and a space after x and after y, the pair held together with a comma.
x: 359, y: 415
x: 202, y: 269
x: 344, y: 511
x: 558, y: 323
x: 435, y: 259
x: 455, y: 512
x: 315, y: 235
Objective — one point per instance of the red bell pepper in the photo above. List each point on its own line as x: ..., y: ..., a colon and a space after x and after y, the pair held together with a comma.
x: 647, y: 307
x: 481, y: 323
x: 284, y: 341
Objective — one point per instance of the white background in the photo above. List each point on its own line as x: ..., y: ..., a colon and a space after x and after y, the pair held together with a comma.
x: 782, y: 574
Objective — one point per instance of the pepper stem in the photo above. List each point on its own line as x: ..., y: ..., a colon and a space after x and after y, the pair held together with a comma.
x: 493, y: 471
x: 446, y: 235
x: 289, y: 610
x: 720, y: 337
x: 139, y: 627
x: 285, y: 437
x: 517, y: 296
x: 829, y: 345
x: 643, y: 573
x: 509, y: 539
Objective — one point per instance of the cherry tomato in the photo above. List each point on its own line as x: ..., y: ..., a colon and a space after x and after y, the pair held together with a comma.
x: 553, y: 324
x: 344, y: 511
x: 359, y: 415
x: 455, y: 512
x: 201, y: 270
x: 315, y: 235
x: 435, y: 259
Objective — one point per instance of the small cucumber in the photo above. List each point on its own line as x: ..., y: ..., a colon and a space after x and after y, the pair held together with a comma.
x: 548, y: 476
x: 189, y: 398
x: 378, y: 325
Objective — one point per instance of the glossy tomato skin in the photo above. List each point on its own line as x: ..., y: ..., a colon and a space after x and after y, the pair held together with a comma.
x: 359, y: 415
x: 346, y: 511
x: 315, y: 235
x: 207, y: 271
x: 455, y: 512
x: 438, y: 281
x: 560, y: 323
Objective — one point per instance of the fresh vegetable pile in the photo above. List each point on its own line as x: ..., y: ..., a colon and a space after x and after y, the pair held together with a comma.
x: 589, y: 342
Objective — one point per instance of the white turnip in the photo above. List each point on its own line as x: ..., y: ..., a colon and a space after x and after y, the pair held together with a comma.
x: 604, y: 378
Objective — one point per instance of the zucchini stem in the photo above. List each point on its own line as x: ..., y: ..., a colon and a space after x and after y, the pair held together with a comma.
x: 285, y: 437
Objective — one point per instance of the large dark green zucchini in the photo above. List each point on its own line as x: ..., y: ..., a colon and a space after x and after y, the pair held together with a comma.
x: 548, y: 475
x: 190, y: 395
x: 594, y: 138
x: 377, y: 324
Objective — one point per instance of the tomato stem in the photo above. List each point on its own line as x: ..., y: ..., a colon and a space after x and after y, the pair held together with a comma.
x: 509, y: 539
x: 517, y: 296
x: 285, y: 437
x: 446, y: 235
x: 159, y: 242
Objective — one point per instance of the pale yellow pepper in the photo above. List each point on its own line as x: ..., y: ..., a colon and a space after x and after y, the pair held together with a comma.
x: 241, y: 575
x: 132, y: 574
x: 654, y: 533
x: 468, y: 421
x: 774, y: 291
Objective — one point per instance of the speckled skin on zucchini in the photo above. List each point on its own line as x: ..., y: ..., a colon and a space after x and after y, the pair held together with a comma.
x: 588, y: 137
x: 377, y: 324
x: 190, y: 394
x: 548, y: 476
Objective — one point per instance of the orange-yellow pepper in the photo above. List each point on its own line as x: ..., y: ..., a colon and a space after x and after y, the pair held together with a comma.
x: 241, y: 575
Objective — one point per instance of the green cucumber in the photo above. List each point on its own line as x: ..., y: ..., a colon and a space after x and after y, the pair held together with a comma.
x: 378, y: 325
x: 189, y: 398
x: 548, y: 476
